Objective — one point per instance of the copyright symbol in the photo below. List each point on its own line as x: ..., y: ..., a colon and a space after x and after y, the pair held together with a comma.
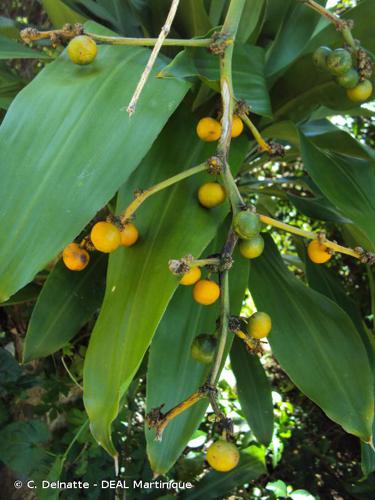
x: 18, y: 485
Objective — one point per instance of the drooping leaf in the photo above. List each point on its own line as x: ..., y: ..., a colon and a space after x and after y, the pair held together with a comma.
x: 316, y: 343
x: 172, y: 372
x: 67, y: 301
x: 216, y: 484
x: 27, y: 294
x: 356, y: 178
x: 254, y: 391
x: 139, y: 284
x: 248, y: 73
x: 56, y: 176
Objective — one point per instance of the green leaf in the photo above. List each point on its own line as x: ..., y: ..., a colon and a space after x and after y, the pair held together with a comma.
x: 10, y: 85
x: 172, y: 372
x: 216, y: 484
x: 192, y: 18
x: 248, y: 73
x: 67, y: 301
x: 294, y: 33
x: 316, y: 344
x: 59, y: 13
x: 10, y: 49
x: 356, y: 178
x: 139, y: 284
x: 56, y: 176
x: 20, y: 446
x: 251, y: 20
x: 254, y: 391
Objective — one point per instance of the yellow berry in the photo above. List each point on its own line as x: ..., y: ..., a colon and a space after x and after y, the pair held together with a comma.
x: 237, y: 126
x: 129, y: 235
x: 208, y: 129
x: 222, y: 456
x: 75, y: 258
x: 206, y: 292
x: 105, y: 237
x: 82, y: 50
x: 360, y: 92
x: 317, y: 252
x: 251, y: 249
x: 211, y: 194
x: 259, y: 325
x: 191, y: 277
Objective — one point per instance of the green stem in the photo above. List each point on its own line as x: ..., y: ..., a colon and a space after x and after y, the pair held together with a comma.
x: 229, y: 29
x: 150, y: 42
x: 340, y: 24
x: 205, y: 262
x: 129, y: 211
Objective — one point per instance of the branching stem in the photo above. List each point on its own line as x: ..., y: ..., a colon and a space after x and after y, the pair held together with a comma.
x: 134, y: 205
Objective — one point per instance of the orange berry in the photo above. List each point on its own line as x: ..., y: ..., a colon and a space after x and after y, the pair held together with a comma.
x: 208, y: 129
x: 222, y: 455
x: 317, y: 252
x: 237, y: 126
x: 75, y: 258
x: 206, y: 292
x: 129, y: 235
x: 82, y: 50
x: 211, y: 194
x: 191, y: 277
x: 105, y: 237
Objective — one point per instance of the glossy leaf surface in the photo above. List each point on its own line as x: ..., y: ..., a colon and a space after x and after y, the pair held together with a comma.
x: 57, y: 175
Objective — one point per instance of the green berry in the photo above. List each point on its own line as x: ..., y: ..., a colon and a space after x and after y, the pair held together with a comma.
x: 203, y: 348
x: 349, y: 79
x: 339, y: 62
x: 320, y: 57
x: 246, y: 224
x: 251, y: 249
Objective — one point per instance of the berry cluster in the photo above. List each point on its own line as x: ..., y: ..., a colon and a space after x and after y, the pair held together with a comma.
x: 348, y: 69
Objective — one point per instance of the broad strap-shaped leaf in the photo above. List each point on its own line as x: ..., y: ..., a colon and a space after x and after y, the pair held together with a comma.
x: 254, y: 391
x: 172, y: 372
x: 248, y: 73
x: 316, y: 344
x: 67, y: 301
x: 355, y: 178
x: 293, y: 35
x: 139, y: 284
x: 216, y: 484
x: 56, y: 176
x: 251, y: 21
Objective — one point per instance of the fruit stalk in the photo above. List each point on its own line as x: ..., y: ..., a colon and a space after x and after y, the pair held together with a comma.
x: 308, y: 234
x: 67, y: 33
x: 153, y: 56
x: 150, y: 42
x: 134, y: 205
x: 340, y: 24
x: 257, y: 135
